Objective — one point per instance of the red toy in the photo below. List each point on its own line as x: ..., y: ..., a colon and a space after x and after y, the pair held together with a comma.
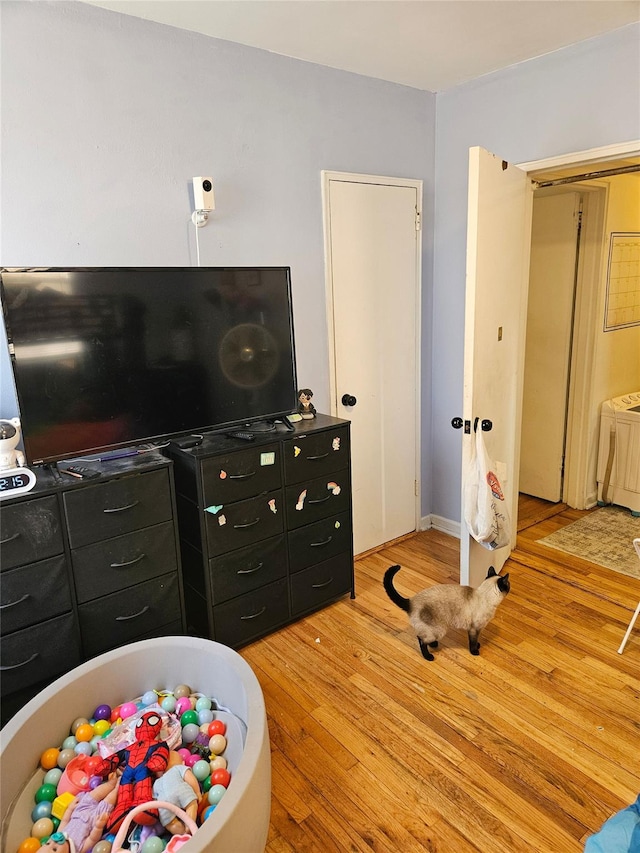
x: 142, y: 761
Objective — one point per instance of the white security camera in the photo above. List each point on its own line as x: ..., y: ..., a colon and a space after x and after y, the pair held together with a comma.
x: 203, y: 197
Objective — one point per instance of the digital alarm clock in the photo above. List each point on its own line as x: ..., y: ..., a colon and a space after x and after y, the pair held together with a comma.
x: 15, y: 481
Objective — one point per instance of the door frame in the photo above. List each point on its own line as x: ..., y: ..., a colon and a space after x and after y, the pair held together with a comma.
x: 351, y: 177
x: 583, y: 355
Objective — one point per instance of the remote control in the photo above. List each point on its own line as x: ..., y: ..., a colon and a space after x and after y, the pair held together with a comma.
x: 244, y: 436
x: 81, y: 472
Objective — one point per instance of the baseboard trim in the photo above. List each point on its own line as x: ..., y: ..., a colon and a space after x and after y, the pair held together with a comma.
x: 444, y: 525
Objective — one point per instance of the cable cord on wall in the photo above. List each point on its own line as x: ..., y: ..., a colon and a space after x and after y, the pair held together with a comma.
x: 197, y: 244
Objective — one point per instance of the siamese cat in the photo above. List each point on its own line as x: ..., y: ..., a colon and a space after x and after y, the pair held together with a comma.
x: 442, y: 606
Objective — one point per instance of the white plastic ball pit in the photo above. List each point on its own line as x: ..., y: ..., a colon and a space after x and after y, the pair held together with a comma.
x: 240, y: 822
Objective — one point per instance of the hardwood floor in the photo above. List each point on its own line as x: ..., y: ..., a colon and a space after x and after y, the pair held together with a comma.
x: 529, y: 747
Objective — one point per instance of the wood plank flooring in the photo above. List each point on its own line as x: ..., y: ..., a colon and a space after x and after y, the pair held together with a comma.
x: 529, y: 747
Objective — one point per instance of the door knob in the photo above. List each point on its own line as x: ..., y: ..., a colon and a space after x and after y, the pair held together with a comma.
x: 348, y: 400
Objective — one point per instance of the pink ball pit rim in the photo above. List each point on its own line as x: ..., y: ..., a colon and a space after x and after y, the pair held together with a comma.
x: 240, y: 822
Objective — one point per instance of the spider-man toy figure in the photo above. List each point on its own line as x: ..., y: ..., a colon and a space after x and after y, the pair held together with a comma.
x: 142, y: 762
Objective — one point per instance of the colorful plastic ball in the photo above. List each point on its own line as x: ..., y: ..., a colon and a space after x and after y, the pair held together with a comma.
x: 79, y: 721
x: 69, y: 742
x: 217, y: 727
x: 52, y: 777
x: 29, y: 845
x: 217, y: 744
x: 182, y: 690
x: 183, y: 704
x: 100, y: 727
x: 218, y: 762
x: 103, y: 846
x: 168, y: 704
x: 115, y: 714
x: 201, y: 770
x: 221, y: 777
x: 83, y: 748
x: 190, y: 732
x: 49, y: 758
x: 56, y: 822
x: 128, y: 709
x: 216, y: 793
x: 209, y: 811
x: 192, y: 759
x: 203, y: 703
x: 150, y: 697
x: 42, y: 827
x: 91, y: 764
x: 102, y: 712
x: 206, y: 784
x: 188, y: 717
x: 94, y: 781
x: 205, y: 716
x: 84, y: 733
x: 153, y: 844
x: 45, y: 792
x: 65, y: 757
x: 41, y: 809
x: 184, y: 753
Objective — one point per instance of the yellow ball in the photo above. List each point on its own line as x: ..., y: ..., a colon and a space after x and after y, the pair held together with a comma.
x: 101, y: 726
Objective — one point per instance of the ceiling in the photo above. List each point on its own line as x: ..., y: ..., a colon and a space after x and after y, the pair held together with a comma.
x: 427, y: 44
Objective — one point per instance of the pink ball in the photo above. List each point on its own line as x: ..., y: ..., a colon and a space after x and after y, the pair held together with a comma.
x: 191, y: 760
x: 128, y: 709
x: 184, y: 753
x: 183, y: 704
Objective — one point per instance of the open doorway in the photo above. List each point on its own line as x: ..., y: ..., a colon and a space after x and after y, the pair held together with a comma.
x: 569, y: 366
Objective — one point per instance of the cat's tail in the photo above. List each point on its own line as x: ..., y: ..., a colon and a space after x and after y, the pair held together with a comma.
x: 392, y: 592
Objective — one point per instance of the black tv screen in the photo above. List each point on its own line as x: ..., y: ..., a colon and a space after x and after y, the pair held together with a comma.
x: 104, y: 358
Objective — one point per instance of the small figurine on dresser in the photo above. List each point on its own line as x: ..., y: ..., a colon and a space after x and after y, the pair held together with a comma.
x: 305, y: 406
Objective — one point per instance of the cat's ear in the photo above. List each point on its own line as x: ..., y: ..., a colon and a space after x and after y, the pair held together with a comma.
x: 503, y: 583
x: 492, y: 572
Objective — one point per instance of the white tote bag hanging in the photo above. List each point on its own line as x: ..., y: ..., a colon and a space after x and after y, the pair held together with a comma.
x: 485, y: 508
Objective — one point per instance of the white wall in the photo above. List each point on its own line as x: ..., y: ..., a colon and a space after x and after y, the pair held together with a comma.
x: 575, y: 99
x: 106, y: 118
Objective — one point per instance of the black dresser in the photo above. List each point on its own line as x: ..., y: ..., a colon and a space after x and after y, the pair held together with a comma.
x: 86, y: 566
x: 265, y: 528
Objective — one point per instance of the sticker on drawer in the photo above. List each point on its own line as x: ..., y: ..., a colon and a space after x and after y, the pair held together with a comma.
x: 268, y: 458
x: 334, y: 488
x: 213, y: 509
x: 336, y: 443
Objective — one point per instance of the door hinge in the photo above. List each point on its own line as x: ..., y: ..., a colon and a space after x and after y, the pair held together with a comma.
x: 418, y: 221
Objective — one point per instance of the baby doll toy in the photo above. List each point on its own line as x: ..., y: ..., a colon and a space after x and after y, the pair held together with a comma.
x: 305, y: 406
x: 86, y: 816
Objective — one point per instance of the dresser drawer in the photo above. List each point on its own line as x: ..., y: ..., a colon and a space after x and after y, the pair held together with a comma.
x: 320, y: 498
x: 118, y: 563
x: 32, y: 594
x: 122, y: 616
x: 248, y: 568
x: 252, y: 615
x: 37, y: 653
x: 309, y: 456
x: 315, y: 586
x: 319, y: 541
x: 29, y: 531
x: 245, y: 522
x: 118, y: 506
x: 242, y: 474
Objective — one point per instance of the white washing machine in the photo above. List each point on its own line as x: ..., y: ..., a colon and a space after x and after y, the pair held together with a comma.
x: 619, y: 452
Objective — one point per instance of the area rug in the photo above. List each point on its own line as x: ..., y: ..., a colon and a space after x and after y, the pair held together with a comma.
x: 604, y: 537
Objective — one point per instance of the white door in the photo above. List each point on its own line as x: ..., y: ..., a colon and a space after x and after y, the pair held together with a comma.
x: 373, y: 276
x: 552, y: 281
x: 498, y: 242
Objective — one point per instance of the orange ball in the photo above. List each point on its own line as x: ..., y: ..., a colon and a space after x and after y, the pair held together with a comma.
x: 49, y: 759
x: 84, y: 732
x: 29, y: 845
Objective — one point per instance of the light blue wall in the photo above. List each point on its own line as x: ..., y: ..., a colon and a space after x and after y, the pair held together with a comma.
x: 582, y: 97
x: 106, y: 118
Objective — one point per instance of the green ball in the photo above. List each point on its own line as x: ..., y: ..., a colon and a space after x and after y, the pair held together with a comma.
x: 189, y: 717
x: 153, y: 844
x: 201, y: 770
x: 206, y: 784
x: 46, y: 792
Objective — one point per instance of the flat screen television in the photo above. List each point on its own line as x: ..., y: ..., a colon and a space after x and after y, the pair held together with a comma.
x: 109, y: 357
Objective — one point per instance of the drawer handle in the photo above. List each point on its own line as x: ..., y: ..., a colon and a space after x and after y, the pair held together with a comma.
x: 250, y: 571
x: 133, y: 615
x: 9, y: 538
x: 320, y: 544
x: 254, y: 615
x: 18, y: 665
x: 248, y: 524
x: 321, y: 585
x: 13, y: 603
x: 122, y: 508
x: 128, y: 562
x: 320, y: 456
x: 319, y: 500
x: 242, y: 476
